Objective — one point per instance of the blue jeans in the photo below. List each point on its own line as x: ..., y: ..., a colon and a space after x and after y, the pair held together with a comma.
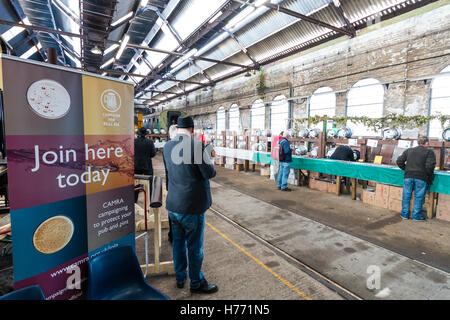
x: 420, y: 188
x: 187, y: 230
x: 283, y: 175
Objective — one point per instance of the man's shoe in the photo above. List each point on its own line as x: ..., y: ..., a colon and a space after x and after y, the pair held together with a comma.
x: 180, y: 285
x: 420, y: 219
x: 205, y: 287
x: 287, y: 189
x: 279, y: 188
x: 404, y: 218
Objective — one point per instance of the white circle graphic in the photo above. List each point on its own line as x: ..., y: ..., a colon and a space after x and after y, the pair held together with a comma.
x: 111, y: 100
x: 48, y: 99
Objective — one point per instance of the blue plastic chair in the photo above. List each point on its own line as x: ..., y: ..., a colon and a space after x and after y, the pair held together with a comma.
x: 117, y: 275
x: 28, y: 293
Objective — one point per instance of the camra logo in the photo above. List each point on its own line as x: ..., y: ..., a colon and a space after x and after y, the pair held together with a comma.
x: 111, y: 100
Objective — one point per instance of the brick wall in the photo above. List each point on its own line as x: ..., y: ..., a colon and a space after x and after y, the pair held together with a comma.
x: 414, y: 45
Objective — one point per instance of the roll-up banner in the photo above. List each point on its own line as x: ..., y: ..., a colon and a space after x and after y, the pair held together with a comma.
x: 70, y: 158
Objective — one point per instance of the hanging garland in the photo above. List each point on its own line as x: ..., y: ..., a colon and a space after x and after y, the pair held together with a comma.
x: 393, y: 121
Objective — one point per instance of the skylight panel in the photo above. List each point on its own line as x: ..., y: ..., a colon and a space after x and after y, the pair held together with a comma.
x: 202, y: 10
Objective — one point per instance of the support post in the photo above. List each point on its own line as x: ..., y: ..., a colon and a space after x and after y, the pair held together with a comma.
x: 338, y: 185
x: 431, y: 205
x: 354, y: 182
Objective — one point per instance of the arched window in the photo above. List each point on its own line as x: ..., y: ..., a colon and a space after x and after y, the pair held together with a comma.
x: 233, y: 116
x: 258, y: 115
x: 440, y: 102
x: 366, y: 98
x: 322, y: 103
x: 279, y: 115
x: 221, y: 120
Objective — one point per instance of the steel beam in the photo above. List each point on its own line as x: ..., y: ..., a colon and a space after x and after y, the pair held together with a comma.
x: 306, y: 18
x: 148, y: 76
x: 191, y: 41
x: 340, y: 10
x: 244, y: 50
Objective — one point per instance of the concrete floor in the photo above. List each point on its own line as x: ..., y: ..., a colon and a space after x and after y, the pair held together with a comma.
x: 339, y: 238
x: 428, y: 242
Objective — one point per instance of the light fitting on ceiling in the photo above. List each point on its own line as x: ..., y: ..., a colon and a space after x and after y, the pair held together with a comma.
x: 96, y: 50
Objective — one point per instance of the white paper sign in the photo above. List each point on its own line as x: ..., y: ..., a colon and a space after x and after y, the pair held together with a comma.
x: 372, y: 143
x: 415, y: 144
x: 404, y: 144
x: 353, y: 142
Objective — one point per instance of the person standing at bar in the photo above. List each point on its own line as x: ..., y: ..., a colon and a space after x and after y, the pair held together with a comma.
x: 144, y: 151
x: 285, y: 162
x: 189, y: 170
x: 419, y: 164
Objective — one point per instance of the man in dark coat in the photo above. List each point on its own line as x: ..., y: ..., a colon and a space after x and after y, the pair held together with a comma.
x: 144, y: 151
x: 188, y: 170
x: 344, y: 153
x: 419, y: 164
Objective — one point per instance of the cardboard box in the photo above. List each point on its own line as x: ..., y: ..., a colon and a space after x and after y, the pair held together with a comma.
x: 395, y: 193
x: 368, y: 196
x: 331, y: 188
x: 395, y: 205
x: 382, y: 196
x: 444, y: 200
x: 443, y: 213
x: 318, y: 185
x: 265, y: 171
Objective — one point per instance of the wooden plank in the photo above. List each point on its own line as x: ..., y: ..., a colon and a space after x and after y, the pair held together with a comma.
x: 162, y: 268
x: 354, y: 183
x: 431, y: 205
x: 338, y: 186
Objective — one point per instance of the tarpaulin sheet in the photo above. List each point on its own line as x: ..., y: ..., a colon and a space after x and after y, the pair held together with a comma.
x: 364, y: 171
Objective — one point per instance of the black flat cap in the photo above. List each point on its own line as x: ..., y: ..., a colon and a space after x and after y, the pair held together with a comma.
x: 185, y: 122
x: 142, y: 132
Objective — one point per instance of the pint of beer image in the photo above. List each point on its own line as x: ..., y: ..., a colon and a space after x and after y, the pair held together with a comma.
x: 53, y: 234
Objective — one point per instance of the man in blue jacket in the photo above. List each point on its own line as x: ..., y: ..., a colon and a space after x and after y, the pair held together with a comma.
x: 285, y: 162
x: 188, y: 170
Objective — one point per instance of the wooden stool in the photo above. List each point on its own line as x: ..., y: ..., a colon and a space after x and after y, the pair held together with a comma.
x: 156, y: 202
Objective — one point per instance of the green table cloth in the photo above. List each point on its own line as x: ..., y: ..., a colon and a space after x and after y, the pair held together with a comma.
x: 364, y: 171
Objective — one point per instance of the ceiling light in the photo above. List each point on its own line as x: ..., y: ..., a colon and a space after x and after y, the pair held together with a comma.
x: 107, y: 63
x: 31, y: 51
x: 110, y: 49
x: 144, y: 3
x: 96, y: 50
x: 124, y: 18
x: 259, y: 3
x: 123, y: 44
